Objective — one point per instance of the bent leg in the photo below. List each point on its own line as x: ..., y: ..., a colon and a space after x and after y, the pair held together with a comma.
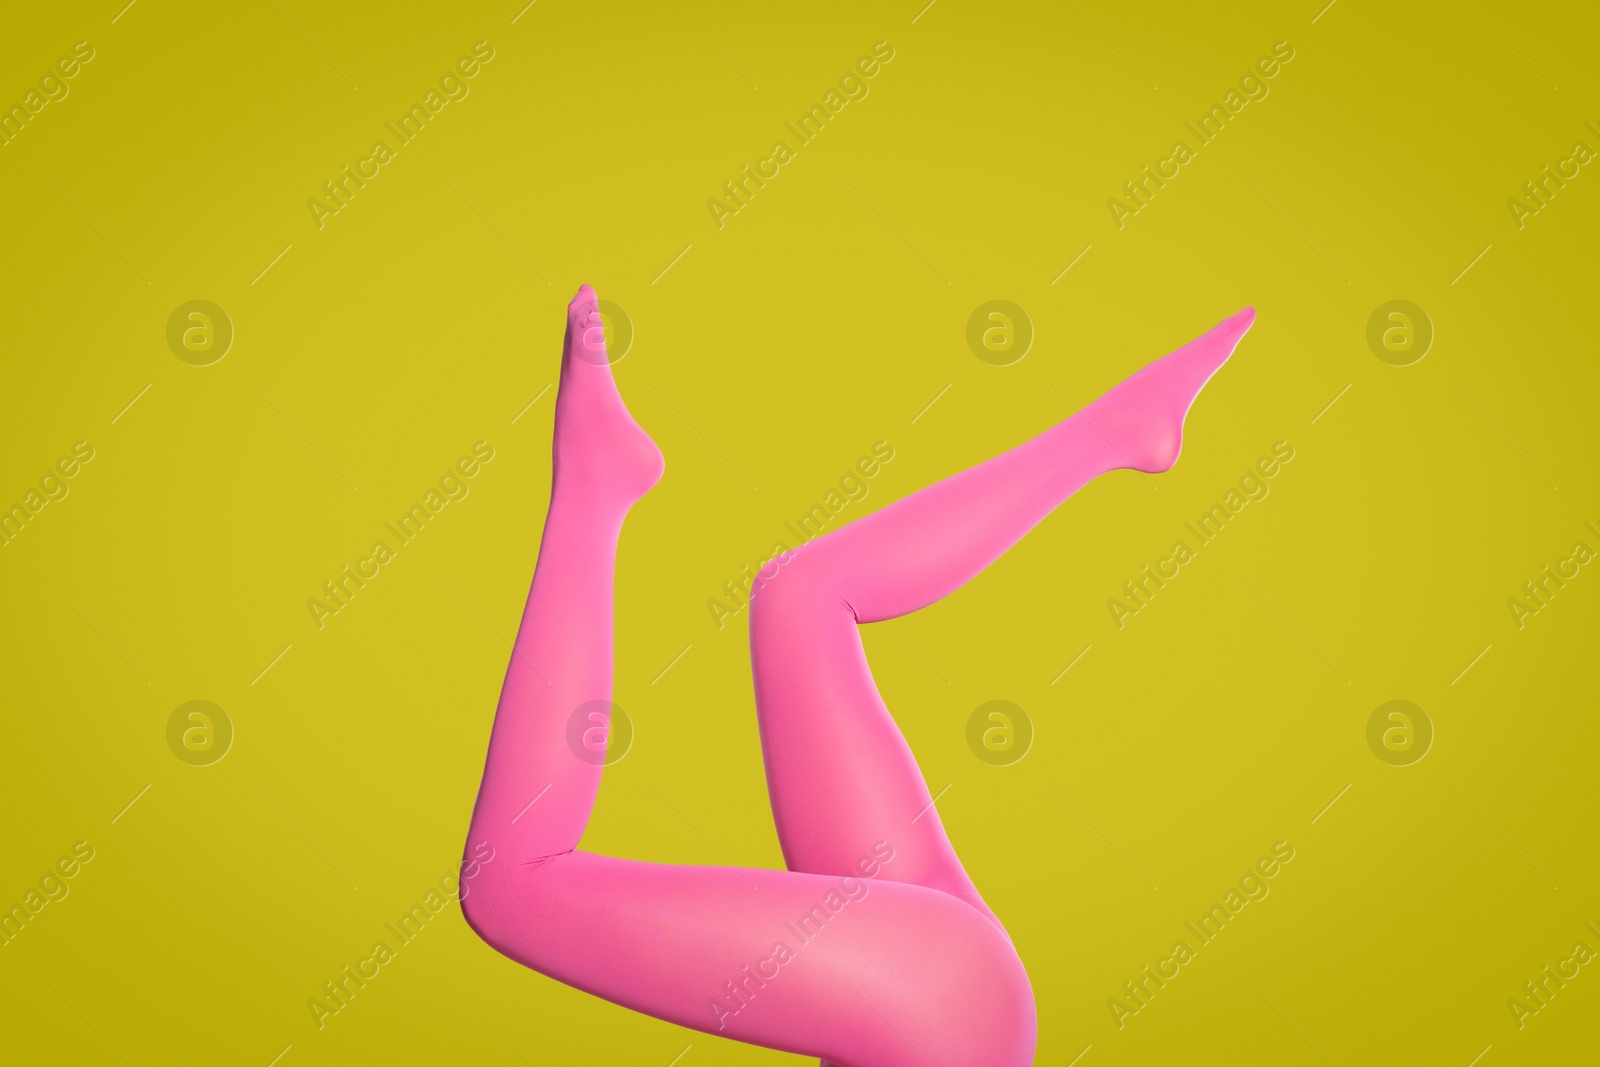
x: 838, y: 770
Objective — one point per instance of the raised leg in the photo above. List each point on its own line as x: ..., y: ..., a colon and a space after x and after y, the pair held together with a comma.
x: 561, y: 665
x: 838, y: 770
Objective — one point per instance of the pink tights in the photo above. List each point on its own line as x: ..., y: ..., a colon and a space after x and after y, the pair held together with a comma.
x: 874, y: 948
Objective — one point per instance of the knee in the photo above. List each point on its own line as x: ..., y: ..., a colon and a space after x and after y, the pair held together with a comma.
x: 982, y: 998
x: 789, y: 585
x: 479, y: 891
x: 497, y: 904
x: 773, y: 588
x: 485, y: 907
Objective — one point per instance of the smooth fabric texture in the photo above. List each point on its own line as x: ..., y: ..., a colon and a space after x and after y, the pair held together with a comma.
x: 874, y: 949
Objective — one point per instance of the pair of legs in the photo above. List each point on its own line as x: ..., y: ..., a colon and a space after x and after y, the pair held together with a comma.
x: 873, y: 949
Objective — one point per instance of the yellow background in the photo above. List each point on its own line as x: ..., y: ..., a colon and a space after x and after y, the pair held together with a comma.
x: 822, y: 318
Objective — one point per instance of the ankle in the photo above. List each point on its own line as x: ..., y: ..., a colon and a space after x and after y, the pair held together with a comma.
x: 1103, y: 435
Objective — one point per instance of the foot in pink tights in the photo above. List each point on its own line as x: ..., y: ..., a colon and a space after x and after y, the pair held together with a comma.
x: 600, y: 452
x: 1143, y: 415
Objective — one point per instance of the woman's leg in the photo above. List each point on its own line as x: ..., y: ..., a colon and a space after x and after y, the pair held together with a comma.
x: 838, y: 770
x: 861, y: 971
x: 561, y: 663
x: 856, y: 972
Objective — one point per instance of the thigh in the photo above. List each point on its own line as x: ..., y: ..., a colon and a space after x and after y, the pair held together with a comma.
x: 858, y: 971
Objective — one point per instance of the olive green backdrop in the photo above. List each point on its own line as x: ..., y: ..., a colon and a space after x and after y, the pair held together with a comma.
x: 1155, y: 749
